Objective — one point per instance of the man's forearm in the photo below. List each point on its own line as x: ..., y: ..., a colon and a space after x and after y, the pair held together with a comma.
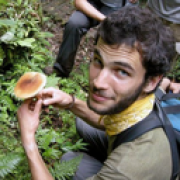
x: 81, y: 110
x: 37, y: 166
x: 89, y: 10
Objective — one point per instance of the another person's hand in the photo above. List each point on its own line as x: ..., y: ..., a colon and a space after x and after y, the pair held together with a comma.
x: 167, y: 86
x: 174, y: 87
x: 53, y: 96
x: 28, y: 117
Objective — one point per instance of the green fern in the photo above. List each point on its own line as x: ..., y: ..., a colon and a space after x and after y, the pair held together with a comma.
x: 66, y: 169
x: 8, y: 163
x: 52, y: 81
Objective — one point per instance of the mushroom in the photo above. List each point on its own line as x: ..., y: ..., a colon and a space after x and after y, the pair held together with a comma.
x: 29, y: 85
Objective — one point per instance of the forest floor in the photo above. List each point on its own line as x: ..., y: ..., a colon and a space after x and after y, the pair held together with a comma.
x: 59, y: 12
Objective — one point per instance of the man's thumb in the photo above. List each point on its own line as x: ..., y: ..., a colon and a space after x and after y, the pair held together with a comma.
x: 38, y: 106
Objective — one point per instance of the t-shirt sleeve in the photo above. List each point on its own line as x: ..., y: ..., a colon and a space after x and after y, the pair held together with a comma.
x: 146, y: 158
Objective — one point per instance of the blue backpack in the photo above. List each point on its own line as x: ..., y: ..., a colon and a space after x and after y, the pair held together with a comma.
x: 171, y: 106
x: 166, y: 114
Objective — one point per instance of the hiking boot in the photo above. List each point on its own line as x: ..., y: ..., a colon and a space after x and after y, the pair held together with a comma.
x: 51, y: 70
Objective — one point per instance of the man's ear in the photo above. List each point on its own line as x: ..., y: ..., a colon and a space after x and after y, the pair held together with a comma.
x: 151, y: 83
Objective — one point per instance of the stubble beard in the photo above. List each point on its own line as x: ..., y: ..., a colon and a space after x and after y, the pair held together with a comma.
x: 120, y: 106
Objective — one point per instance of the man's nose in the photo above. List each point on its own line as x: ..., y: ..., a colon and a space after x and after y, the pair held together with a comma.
x: 102, y: 80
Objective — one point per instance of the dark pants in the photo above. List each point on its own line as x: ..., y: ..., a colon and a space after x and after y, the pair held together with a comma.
x: 76, y: 27
x: 96, y: 153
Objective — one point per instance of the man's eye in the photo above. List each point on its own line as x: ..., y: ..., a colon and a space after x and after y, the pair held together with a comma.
x: 122, y: 72
x: 97, y: 61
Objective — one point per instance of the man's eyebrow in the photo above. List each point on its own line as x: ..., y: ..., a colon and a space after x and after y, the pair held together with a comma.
x: 124, y: 64
x: 119, y: 63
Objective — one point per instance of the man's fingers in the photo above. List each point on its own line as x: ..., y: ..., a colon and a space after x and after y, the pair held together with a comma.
x: 49, y: 90
x: 38, y: 106
x: 49, y: 101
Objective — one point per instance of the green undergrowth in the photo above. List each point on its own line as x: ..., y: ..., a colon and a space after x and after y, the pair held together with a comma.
x: 24, y: 48
x: 175, y: 70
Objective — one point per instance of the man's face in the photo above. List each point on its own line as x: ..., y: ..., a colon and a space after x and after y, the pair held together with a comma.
x: 116, y: 78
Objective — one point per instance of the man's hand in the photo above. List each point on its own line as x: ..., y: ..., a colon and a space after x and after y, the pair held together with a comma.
x: 28, y: 117
x: 52, y: 96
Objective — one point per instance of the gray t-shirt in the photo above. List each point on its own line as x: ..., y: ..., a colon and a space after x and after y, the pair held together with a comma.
x: 167, y: 9
x: 116, y: 4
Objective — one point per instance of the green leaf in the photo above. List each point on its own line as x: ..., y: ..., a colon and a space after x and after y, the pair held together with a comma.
x: 8, y: 102
x: 44, y: 35
x: 7, y: 22
x: 66, y: 169
x: 8, y: 163
x: 19, y: 2
x: 52, y: 81
x: 9, y: 36
x: 4, y: 2
x: 27, y: 42
x: 52, y: 153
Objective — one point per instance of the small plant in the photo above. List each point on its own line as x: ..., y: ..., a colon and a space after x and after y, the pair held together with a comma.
x: 65, y: 169
x: 23, y: 48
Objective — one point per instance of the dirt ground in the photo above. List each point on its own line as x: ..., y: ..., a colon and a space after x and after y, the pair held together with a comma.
x: 56, y: 27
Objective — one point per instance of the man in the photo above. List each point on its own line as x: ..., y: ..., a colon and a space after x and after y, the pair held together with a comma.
x: 133, y: 52
x: 88, y: 14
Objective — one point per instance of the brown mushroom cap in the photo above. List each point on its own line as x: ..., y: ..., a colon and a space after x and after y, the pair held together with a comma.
x: 29, y: 85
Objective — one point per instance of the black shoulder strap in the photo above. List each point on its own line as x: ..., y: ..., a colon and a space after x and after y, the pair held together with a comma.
x: 137, y: 130
x: 162, y: 96
x: 167, y: 126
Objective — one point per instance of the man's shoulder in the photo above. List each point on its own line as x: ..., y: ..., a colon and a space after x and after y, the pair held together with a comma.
x: 155, y: 138
x: 147, y: 157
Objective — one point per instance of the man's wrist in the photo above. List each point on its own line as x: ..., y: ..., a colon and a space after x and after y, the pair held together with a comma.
x: 28, y: 142
x: 72, y: 102
x: 30, y: 147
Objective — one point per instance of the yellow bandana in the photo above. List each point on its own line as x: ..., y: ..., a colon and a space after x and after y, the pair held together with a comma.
x: 117, y: 123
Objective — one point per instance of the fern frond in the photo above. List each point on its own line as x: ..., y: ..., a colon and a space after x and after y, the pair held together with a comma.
x: 8, y: 163
x: 66, y: 169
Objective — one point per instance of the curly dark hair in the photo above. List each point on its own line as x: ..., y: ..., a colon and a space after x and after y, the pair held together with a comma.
x: 140, y: 28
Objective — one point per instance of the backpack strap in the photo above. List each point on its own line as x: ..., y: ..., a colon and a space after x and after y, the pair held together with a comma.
x: 130, y: 134
x: 167, y: 126
x: 161, y: 96
x: 172, y: 109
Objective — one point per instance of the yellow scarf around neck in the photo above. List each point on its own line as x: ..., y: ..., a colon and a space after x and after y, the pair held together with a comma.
x: 117, y: 123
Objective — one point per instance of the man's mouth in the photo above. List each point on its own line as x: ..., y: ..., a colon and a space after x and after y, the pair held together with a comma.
x: 99, y: 98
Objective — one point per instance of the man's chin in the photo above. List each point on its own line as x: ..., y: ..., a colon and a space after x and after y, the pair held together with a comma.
x: 95, y: 108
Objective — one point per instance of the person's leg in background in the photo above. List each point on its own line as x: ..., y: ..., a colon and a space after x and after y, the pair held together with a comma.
x: 77, y: 25
x: 96, y: 139
x: 96, y: 152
